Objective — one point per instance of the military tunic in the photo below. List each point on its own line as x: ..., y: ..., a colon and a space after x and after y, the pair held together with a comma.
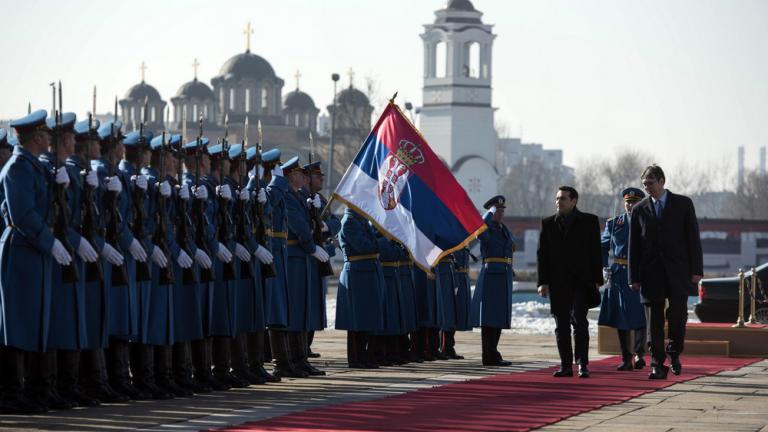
x: 492, y: 300
x: 463, y: 291
x: 389, y: 254
x: 300, y: 269
x: 277, y: 294
x: 445, y: 291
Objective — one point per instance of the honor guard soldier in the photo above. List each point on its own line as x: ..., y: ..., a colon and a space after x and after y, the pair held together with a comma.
x: 408, y: 306
x: 301, y: 248
x: 361, y: 287
x: 28, y: 250
x: 620, y: 307
x: 260, y: 245
x: 492, y: 300
x: 426, y: 341
x: 462, y: 297
x: 445, y: 290
x: 387, y: 349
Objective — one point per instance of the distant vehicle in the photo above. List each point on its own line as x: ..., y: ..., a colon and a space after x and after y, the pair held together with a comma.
x: 719, y: 298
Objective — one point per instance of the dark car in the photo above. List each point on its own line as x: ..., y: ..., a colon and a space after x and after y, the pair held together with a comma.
x: 719, y: 298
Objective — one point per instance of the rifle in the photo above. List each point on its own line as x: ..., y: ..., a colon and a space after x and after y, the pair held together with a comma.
x: 143, y: 272
x: 223, y: 218
x: 198, y: 210
x: 161, y: 230
x: 61, y: 210
x: 325, y: 268
x: 183, y: 223
x: 112, y: 217
x: 90, y: 214
x: 241, y: 216
x: 260, y: 230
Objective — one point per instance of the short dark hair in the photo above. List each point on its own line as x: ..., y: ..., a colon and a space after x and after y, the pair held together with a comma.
x: 572, y: 193
x: 653, y: 171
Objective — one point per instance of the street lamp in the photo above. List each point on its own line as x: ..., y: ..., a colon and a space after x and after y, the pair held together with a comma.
x: 335, y: 79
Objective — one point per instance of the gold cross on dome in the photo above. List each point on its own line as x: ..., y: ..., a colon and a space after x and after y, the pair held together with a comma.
x: 143, y: 69
x: 248, y: 32
x: 297, y: 75
x: 195, y: 65
x: 351, y: 75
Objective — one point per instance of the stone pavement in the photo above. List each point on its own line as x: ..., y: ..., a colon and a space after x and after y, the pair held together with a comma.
x: 731, y: 401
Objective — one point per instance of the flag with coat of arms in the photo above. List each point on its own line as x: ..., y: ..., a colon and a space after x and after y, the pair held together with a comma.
x: 398, y: 183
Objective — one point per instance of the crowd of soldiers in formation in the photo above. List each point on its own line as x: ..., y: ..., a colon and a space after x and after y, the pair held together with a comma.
x: 144, y: 267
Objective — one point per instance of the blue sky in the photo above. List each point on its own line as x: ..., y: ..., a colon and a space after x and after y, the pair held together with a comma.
x: 683, y: 79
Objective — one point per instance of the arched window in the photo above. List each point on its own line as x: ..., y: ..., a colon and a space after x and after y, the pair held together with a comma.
x: 194, y: 112
x: 247, y: 100
x: 264, y: 100
x: 232, y: 99
x: 133, y: 115
x: 296, y: 120
x: 472, y: 60
x: 152, y: 115
x: 441, y: 59
x: 306, y: 120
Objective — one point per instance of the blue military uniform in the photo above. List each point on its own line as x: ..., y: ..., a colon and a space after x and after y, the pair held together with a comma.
x: 492, y: 300
x: 620, y: 306
x: 388, y: 348
x: 360, y: 293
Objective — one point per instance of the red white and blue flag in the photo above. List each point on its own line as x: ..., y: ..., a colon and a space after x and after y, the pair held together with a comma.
x: 398, y: 183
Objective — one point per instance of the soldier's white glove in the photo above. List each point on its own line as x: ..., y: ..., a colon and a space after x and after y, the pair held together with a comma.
x: 261, y: 196
x: 140, y: 181
x: 111, y: 254
x: 492, y: 209
x: 114, y: 185
x: 137, y: 251
x: 244, y: 194
x: 158, y: 257
x: 203, y: 259
x: 277, y: 171
x: 86, y: 251
x: 184, y: 261
x: 224, y: 192
x: 165, y: 189
x: 223, y: 254
x: 320, y: 254
x: 242, y: 252
x: 316, y: 201
x: 92, y: 179
x: 62, y: 177
x: 60, y: 253
x: 263, y: 255
x: 252, y: 172
x: 201, y: 192
x: 324, y: 227
x: 606, y: 274
x: 183, y: 192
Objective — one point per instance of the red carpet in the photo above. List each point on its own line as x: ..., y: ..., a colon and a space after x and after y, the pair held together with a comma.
x: 507, y: 402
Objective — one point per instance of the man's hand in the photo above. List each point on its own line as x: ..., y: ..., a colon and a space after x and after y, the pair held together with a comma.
x: 696, y: 278
x: 544, y: 290
x: 635, y: 287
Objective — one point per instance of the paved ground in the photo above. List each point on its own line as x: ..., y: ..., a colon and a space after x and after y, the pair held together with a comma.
x: 732, y: 401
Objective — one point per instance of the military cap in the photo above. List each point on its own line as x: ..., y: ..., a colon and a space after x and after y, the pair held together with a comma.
x: 216, y: 151
x: 4, y: 138
x: 170, y: 141
x: 84, y: 130
x: 632, y: 194
x: 111, y: 131
x: 313, y: 168
x: 498, y: 201
x: 32, y: 122
x: 291, y: 166
x: 271, y: 156
x: 235, y: 151
x: 136, y: 140
x: 193, y: 146
x: 68, y: 120
x: 251, y: 153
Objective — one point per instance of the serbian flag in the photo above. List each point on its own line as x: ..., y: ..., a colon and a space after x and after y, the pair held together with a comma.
x: 398, y: 183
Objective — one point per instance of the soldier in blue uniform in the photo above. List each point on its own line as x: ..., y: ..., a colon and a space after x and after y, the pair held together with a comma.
x: 425, y: 339
x: 620, y: 307
x: 387, y: 349
x: 492, y: 300
x: 408, y: 307
x: 28, y: 250
x: 301, y: 249
x: 462, y: 298
x: 445, y: 290
x: 360, y: 295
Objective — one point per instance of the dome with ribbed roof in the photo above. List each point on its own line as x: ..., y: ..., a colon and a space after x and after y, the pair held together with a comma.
x: 464, y: 5
x: 141, y: 91
x: 247, y: 65
x: 298, y: 100
x: 195, y: 89
x: 353, y: 96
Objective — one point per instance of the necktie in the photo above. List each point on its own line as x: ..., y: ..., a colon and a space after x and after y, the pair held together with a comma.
x: 659, y: 209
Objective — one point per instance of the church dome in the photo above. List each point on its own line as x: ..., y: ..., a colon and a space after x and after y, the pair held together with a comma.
x: 353, y: 96
x: 247, y: 65
x: 195, y: 90
x: 463, y: 5
x: 298, y: 100
x: 141, y: 91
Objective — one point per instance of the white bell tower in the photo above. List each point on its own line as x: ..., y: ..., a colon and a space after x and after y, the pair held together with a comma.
x: 457, y: 116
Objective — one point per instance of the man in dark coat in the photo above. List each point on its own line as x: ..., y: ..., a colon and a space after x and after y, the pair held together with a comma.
x: 665, y: 263
x: 570, y: 273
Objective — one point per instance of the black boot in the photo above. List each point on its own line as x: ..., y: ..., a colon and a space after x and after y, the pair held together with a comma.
x: 183, y: 371
x: 310, y: 338
x: 164, y: 377
x: 202, y: 359
x: 256, y: 350
x: 41, y: 381
x: 12, y: 397
x: 415, y: 348
x: 302, y: 344
x: 626, y: 354
x: 68, y: 379
x: 222, y: 363
x: 143, y: 369
x: 448, y: 344
x: 94, y: 379
x: 281, y: 351
x: 241, y: 361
